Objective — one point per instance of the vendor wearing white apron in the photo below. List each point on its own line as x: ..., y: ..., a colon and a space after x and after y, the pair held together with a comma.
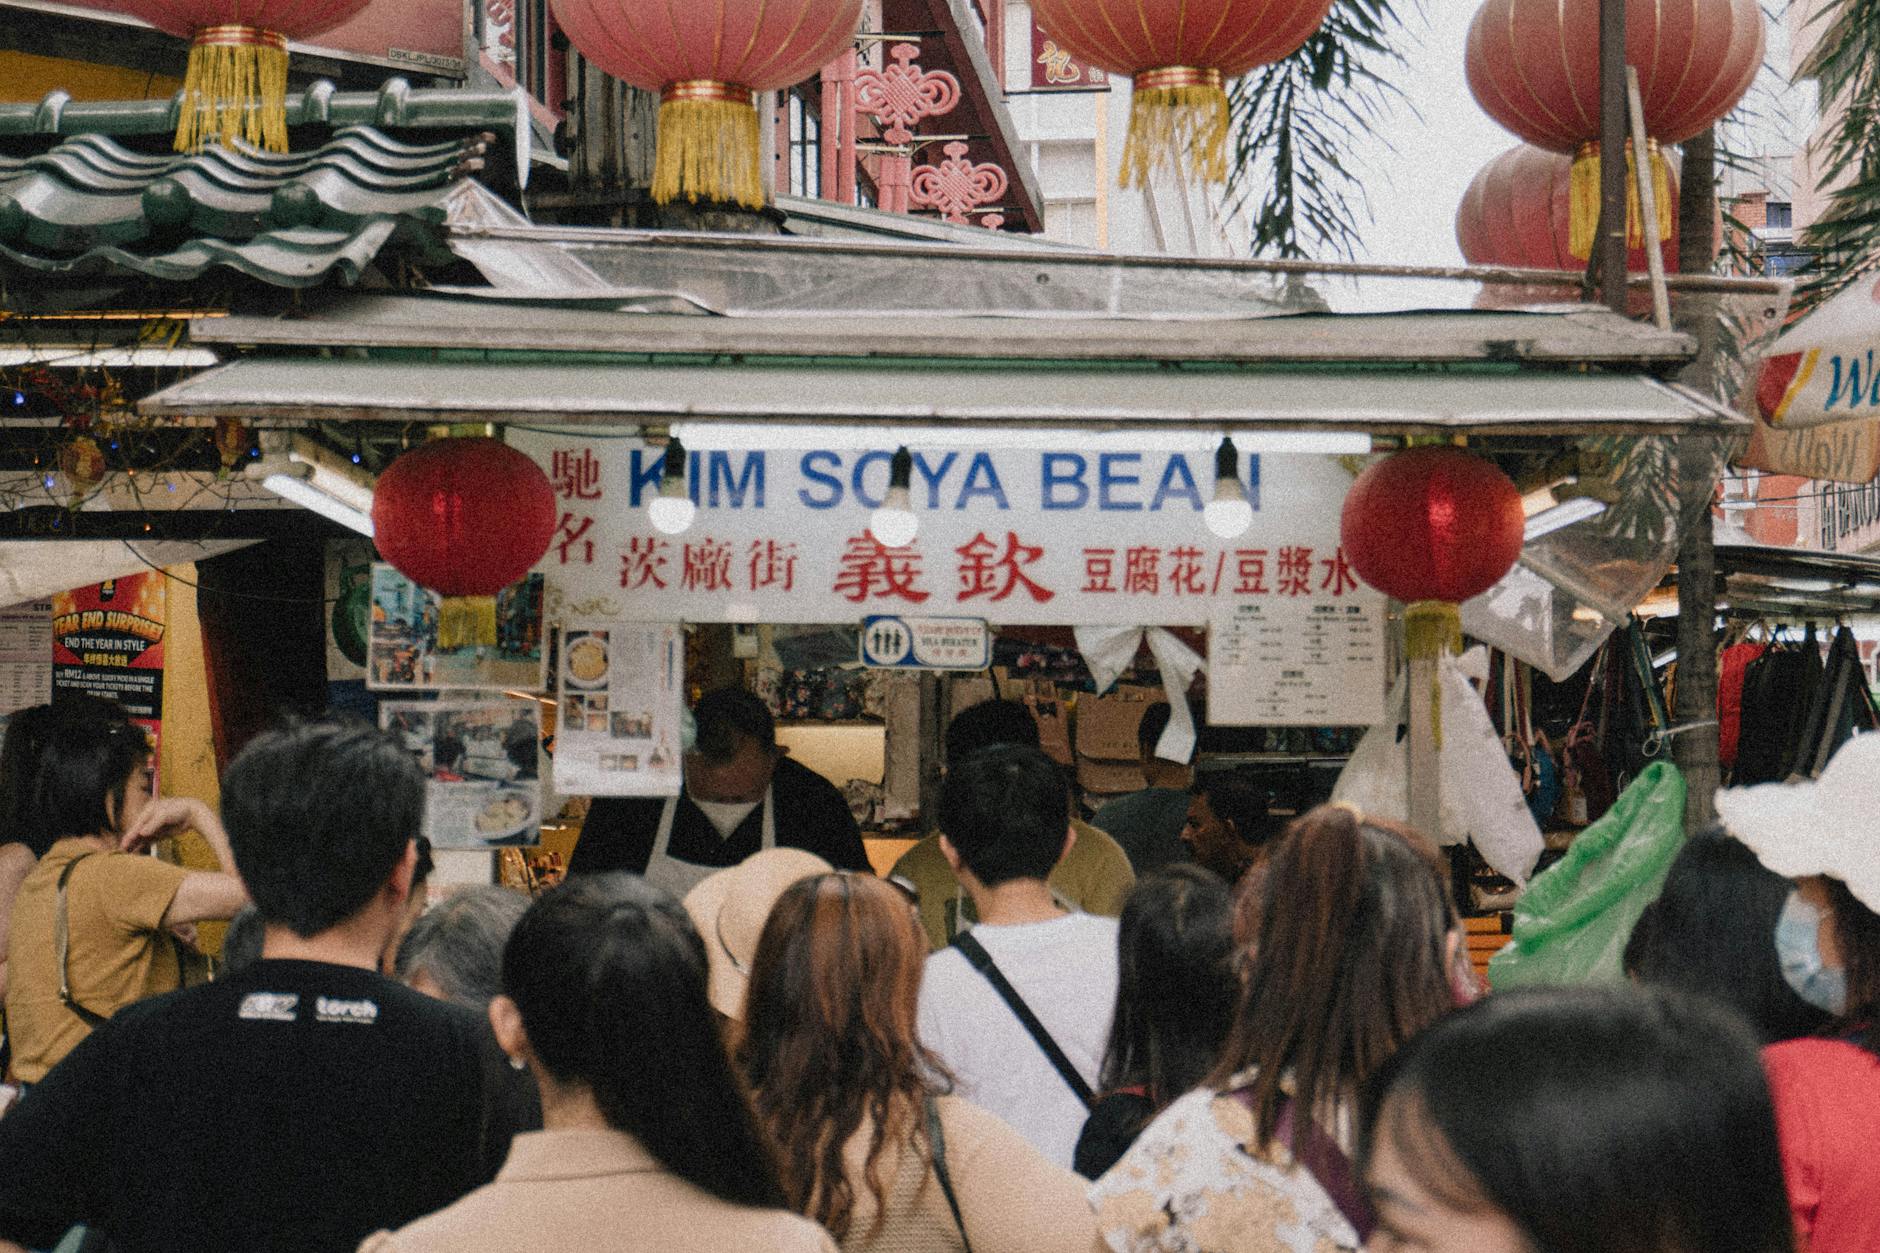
x: 742, y: 794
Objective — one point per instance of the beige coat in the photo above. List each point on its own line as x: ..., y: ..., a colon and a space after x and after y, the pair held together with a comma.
x: 595, y: 1190
x: 1011, y: 1198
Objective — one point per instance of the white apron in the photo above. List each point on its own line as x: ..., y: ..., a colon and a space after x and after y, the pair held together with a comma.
x: 679, y: 876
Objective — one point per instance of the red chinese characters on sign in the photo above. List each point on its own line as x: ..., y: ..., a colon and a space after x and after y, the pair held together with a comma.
x: 707, y: 566
x: 576, y: 474
x: 986, y: 571
x: 571, y: 542
x: 1187, y: 570
x: 870, y: 570
x: 773, y: 565
x: 642, y: 563
x: 1054, y: 69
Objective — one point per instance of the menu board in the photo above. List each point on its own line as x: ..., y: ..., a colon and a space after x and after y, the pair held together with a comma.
x: 25, y: 656
x: 621, y: 710
x: 1297, y: 663
x: 479, y: 758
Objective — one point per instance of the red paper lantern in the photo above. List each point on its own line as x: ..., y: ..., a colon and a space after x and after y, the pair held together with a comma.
x: 1179, y: 54
x: 464, y: 517
x: 1432, y: 524
x: 1533, y: 65
x: 706, y: 60
x: 236, y: 83
x: 1515, y: 213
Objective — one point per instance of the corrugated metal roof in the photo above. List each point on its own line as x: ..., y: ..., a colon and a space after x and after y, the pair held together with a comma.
x: 1102, y: 396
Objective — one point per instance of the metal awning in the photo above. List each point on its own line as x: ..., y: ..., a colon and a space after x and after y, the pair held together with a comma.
x: 1487, y: 400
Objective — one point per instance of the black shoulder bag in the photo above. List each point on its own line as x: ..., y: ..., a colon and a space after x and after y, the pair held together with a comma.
x: 981, y: 960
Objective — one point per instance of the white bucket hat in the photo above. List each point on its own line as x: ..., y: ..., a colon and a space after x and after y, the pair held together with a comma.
x: 730, y: 907
x: 1826, y: 826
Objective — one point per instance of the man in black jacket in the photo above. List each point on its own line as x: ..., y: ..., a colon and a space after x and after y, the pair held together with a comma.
x: 304, y: 1101
x: 742, y: 793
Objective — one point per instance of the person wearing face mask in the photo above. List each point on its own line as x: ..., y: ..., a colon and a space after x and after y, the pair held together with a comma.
x: 742, y: 793
x: 1824, y: 835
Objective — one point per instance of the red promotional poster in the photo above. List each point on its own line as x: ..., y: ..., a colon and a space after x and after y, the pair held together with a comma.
x: 1054, y: 69
x: 107, y: 640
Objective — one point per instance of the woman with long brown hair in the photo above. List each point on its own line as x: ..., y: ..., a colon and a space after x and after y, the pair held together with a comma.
x: 872, y: 1146
x: 1354, y: 942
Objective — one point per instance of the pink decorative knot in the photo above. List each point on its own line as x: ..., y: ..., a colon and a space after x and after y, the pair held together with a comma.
x: 956, y: 185
x: 901, y: 95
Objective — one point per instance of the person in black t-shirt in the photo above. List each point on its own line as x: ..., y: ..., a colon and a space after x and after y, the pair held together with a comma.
x: 305, y: 1101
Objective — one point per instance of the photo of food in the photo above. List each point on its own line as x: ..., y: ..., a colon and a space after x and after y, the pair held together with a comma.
x: 573, y: 711
x: 632, y: 726
x: 596, y: 704
x: 505, y: 816
x: 597, y: 723
x: 586, y: 662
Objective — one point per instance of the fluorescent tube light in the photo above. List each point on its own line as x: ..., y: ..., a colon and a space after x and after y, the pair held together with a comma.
x: 288, y: 485
x: 1564, y: 514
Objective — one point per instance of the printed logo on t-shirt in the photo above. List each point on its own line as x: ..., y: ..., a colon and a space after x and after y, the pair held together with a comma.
x: 332, y: 1009
x: 270, y: 1007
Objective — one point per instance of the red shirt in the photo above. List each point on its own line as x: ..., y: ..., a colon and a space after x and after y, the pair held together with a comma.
x: 1827, y: 1097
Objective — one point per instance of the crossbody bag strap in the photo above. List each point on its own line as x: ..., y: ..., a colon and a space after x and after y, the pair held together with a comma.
x: 61, y: 944
x: 1322, y: 1159
x: 937, y: 1146
x: 981, y: 960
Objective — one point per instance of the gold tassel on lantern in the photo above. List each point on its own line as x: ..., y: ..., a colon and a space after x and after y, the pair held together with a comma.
x: 1583, y: 199
x: 466, y: 622
x: 1432, y: 629
x: 235, y: 88
x: 708, y: 145
x: 1178, y: 118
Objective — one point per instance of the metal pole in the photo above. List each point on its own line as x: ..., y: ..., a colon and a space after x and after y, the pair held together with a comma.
x: 1612, y: 128
x: 1647, y: 203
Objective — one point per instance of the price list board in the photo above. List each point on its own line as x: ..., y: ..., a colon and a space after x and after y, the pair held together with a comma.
x: 1281, y: 662
x: 25, y: 655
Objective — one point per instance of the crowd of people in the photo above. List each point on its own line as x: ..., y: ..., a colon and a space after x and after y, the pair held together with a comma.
x: 723, y: 1031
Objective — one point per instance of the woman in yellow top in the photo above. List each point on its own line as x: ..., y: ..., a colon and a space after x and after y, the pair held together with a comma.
x: 91, y: 923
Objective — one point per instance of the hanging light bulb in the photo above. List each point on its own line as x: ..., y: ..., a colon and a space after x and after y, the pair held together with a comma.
x: 895, y: 524
x: 1228, y: 515
x: 671, y: 511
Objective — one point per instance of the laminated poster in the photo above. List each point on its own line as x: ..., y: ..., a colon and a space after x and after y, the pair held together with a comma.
x: 421, y: 642
x: 621, y: 706
x: 480, y: 760
x: 108, y: 641
x: 25, y: 656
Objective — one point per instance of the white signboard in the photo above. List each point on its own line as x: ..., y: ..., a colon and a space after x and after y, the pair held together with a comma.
x: 891, y: 642
x: 618, y: 723
x: 1281, y: 662
x: 1071, y: 536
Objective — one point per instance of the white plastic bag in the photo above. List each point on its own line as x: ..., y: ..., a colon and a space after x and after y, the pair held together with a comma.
x: 1481, y: 793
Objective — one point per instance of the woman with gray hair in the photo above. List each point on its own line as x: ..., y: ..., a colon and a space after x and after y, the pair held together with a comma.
x: 454, y: 951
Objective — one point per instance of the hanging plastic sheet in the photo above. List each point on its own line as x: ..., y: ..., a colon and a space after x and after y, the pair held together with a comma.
x: 1481, y: 793
x: 1572, y: 923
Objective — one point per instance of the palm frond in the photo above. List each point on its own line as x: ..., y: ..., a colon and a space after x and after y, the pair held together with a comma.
x: 1845, y: 64
x: 1298, y: 123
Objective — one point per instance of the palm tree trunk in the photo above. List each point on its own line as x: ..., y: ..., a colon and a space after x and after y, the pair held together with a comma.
x: 1695, y: 750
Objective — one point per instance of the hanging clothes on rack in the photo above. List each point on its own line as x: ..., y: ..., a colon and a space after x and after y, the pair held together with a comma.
x: 1778, y: 688
x: 1732, y: 668
x: 1842, y: 705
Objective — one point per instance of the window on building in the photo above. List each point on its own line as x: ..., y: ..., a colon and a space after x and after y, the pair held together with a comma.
x: 1781, y: 215
x: 805, y: 146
